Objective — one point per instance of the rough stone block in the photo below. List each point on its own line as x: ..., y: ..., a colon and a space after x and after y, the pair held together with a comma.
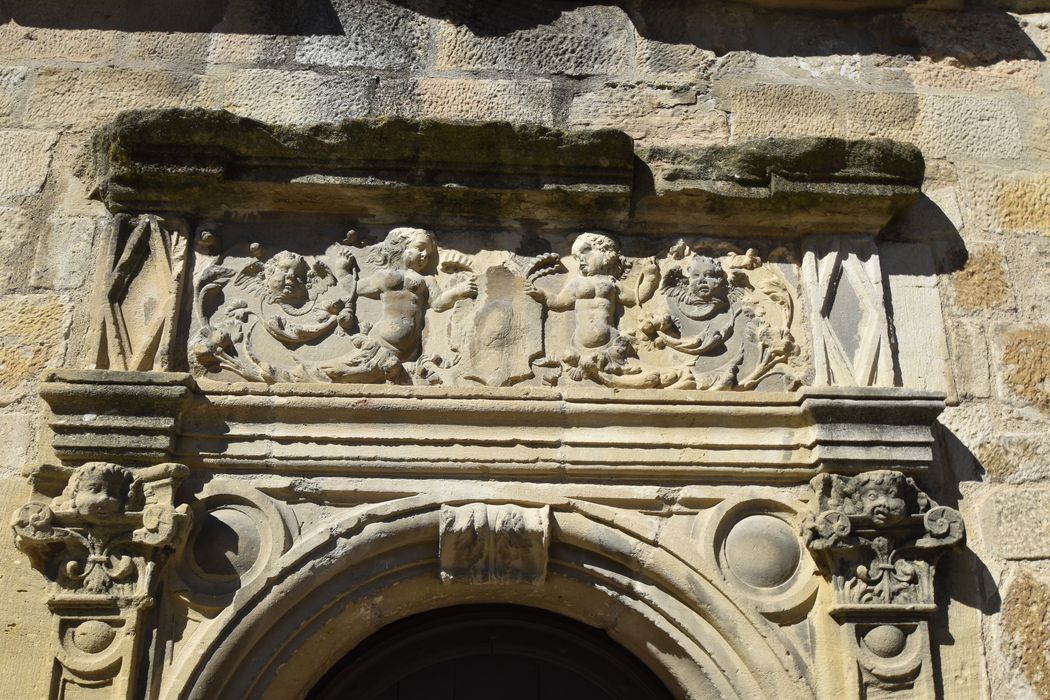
x: 168, y: 49
x: 969, y: 357
x: 1027, y: 258
x: 27, y: 627
x: 15, y: 438
x: 45, y: 43
x: 982, y: 282
x: 15, y: 233
x: 1022, y: 203
x: 63, y: 258
x: 982, y: 128
x: 12, y: 86
x: 85, y: 97
x: 32, y: 335
x: 27, y: 157
x: 784, y: 110
x: 296, y: 97
x: 1026, y: 359
x: 476, y: 100
x: 1022, y: 75
x: 250, y: 49
x: 590, y: 40
x: 888, y: 115
x: 659, y: 116
x: 378, y: 35
x: 1015, y: 521
x: 1015, y: 458
x: 1026, y: 629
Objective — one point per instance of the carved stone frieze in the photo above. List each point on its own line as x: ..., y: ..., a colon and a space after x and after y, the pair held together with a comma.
x: 483, y: 543
x: 357, y: 313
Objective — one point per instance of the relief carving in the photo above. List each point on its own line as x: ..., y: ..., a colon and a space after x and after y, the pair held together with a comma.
x: 481, y: 543
x: 100, y: 543
x: 879, y: 536
x: 358, y: 313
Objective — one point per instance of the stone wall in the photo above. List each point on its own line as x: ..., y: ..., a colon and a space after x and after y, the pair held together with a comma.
x: 969, y: 88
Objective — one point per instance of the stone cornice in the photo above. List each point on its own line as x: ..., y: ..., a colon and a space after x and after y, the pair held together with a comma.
x: 513, y: 433
x: 214, y: 164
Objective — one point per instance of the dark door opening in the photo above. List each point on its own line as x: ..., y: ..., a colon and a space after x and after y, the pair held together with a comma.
x: 489, y: 652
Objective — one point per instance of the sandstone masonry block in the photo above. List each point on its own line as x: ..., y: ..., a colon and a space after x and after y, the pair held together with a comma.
x: 250, y: 49
x: 1026, y: 356
x: 657, y: 116
x: 1026, y: 628
x: 379, y: 35
x: 15, y: 237
x: 26, y: 156
x: 784, y: 110
x: 1014, y: 458
x: 45, y: 43
x: 1023, y: 204
x: 32, y: 330
x: 948, y: 74
x: 969, y: 359
x: 984, y: 128
x: 590, y: 40
x: 15, y: 438
x: 12, y: 87
x: 453, y: 98
x: 1027, y: 258
x: 168, y: 49
x: 982, y: 283
x: 296, y: 97
x: 63, y: 259
x: 888, y: 115
x: 85, y: 97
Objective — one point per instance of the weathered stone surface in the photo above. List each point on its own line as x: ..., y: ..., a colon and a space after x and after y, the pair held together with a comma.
x: 1026, y: 354
x: 969, y: 359
x: 47, y: 43
x: 785, y: 110
x: 1026, y: 629
x: 63, y: 260
x: 27, y: 157
x: 651, y: 116
x: 377, y: 35
x: 296, y: 97
x: 12, y: 87
x: 15, y: 240
x: 889, y: 115
x: 166, y: 49
x: 253, y: 50
x: 982, y: 283
x: 983, y: 128
x: 589, y: 40
x: 32, y: 329
x: 472, y: 99
x: 1013, y: 458
x: 951, y: 75
x: 16, y: 436
x: 1023, y: 204
x: 82, y: 97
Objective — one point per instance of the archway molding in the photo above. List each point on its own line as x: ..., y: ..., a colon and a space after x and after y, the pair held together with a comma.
x: 379, y: 564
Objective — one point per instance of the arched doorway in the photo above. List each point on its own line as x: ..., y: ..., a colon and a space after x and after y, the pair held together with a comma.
x: 476, y: 652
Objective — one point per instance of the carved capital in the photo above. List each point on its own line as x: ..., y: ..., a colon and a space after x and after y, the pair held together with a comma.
x: 481, y: 543
x: 879, y: 536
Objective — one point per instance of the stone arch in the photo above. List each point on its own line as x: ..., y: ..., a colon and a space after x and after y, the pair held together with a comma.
x: 339, y: 585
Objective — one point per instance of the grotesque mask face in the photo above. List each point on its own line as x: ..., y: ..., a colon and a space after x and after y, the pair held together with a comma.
x: 99, y: 494
x: 881, y: 500
x: 707, y: 281
x: 418, y: 253
x: 595, y: 254
x: 286, y: 277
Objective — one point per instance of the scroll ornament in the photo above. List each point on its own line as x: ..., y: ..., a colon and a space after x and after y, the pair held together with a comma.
x: 879, y: 536
x: 103, y: 533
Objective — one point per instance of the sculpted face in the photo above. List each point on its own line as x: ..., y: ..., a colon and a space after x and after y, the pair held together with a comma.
x: 419, y: 251
x: 99, y: 494
x: 707, y: 281
x: 286, y: 277
x: 881, y: 500
x: 595, y: 253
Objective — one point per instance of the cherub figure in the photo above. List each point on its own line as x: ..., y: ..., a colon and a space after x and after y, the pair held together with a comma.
x: 878, y: 496
x: 97, y: 491
x: 406, y: 290
x: 300, y: 302
x: 403, y: 283
x: 597, y: 295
